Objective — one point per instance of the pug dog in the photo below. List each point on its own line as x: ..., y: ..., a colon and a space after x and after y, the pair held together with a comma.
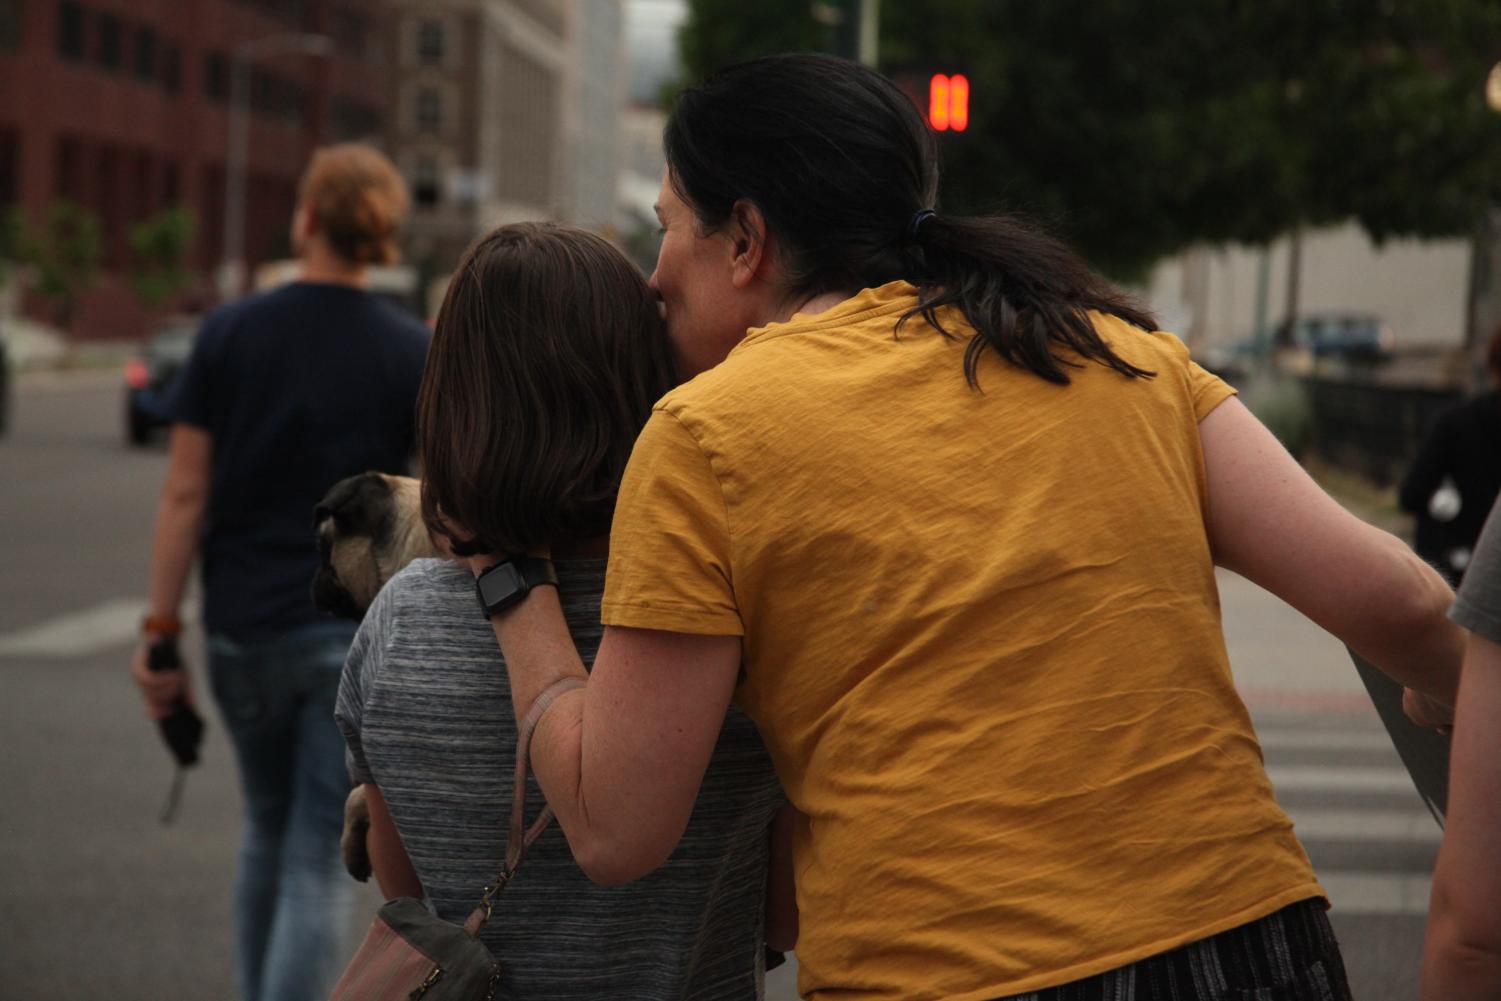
x: 368, y: 527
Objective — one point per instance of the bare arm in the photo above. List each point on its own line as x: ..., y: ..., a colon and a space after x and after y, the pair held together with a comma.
x: 388, y: 856
x: 781, y: 883
x: 620, y: 760
x: 1462, y: 953
x: 179, y: 520
x: 1270, y: 523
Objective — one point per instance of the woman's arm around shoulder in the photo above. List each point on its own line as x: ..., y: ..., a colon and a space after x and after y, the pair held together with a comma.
x: 621, y: 759
x: 1271, y: 523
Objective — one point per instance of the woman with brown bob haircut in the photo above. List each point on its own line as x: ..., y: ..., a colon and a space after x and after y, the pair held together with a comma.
x: 548, y: 354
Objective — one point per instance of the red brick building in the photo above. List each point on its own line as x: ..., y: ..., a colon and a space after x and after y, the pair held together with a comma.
x: 122, y: 106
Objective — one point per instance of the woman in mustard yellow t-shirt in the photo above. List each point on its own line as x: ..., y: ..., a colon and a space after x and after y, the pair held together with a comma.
x: 941, y: 511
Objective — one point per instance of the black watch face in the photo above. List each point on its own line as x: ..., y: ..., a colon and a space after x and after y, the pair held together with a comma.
x: 500, y: 585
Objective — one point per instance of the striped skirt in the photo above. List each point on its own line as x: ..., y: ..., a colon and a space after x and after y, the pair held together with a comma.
x: 1290, y: 955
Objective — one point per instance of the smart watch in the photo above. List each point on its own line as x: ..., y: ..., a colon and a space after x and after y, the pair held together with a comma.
x: 509, y: 582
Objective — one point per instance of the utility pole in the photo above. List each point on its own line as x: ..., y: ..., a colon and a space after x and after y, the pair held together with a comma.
x: 232, y: 268
x: 854, y: 28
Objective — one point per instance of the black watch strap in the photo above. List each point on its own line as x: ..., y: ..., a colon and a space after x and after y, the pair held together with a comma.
x: 508, y: 582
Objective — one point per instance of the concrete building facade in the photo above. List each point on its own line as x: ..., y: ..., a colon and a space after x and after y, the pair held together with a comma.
x: 504, y: 110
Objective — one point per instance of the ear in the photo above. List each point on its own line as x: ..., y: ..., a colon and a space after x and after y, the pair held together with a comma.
x: 747, y: 232
x: 304, y: 222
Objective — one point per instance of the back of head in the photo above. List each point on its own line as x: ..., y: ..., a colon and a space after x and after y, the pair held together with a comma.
x: 547, y: 356
x: 844, y: 170
x: 357, y: 200
x: 836, y: 158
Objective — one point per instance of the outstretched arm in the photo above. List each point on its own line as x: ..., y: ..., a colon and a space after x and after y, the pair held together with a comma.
x: 1269, y: 522
x: 179, y: 522
x: 1462, y: 954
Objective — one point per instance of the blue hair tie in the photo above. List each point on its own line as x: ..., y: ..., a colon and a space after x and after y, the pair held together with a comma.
x: 918, y: 218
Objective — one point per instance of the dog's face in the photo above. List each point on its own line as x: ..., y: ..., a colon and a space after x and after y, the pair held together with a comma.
x: 368, y: 527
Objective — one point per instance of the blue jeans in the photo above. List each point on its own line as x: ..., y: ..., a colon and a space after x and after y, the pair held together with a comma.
x: 292, y: 895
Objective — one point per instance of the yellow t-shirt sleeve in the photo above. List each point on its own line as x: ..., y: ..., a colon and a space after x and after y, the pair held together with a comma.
x: 670, y: 542
x: 1205, y: 389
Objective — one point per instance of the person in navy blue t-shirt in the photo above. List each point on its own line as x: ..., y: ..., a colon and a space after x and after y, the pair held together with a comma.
x: 286, y: 393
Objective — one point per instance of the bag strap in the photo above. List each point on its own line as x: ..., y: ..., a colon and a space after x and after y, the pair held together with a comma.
x: 519, y: 837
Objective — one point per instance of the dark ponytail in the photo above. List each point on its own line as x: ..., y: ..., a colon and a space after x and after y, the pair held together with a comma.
x: 840, y: 163
x: 1025, y: 294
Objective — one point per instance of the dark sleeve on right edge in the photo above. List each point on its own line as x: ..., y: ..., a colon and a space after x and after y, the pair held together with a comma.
x: 1477, y: 607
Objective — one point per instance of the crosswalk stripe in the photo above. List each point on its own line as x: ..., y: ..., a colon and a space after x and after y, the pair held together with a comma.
x: 112, y: 623
x: 1320, y: 777
x: 1324, y: 740
x: 1377, y: 892
x: 1366, y: 825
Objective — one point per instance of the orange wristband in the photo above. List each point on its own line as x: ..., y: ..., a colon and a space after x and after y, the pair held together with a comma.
x: 161, y: 625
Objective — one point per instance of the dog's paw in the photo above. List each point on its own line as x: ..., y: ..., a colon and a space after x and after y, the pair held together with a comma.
x: 352, y: 844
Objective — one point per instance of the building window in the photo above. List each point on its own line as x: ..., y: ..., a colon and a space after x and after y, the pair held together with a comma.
x: 10, y: 154
x: 216, y: 76
x: 67, y: 172
x: 350, y: 30
x: 172, y: 68
x: 108, y: 42
x: 429, y: 110
x: 427, y: 190
x: 355, y: 119
x: 430, y: 43
x: 145, y: 54
x: 12, y: 20
x: 171, y: 190
x: 70, y: 30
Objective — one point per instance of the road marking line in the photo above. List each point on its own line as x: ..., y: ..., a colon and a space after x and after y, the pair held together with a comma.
x: 110, y: 624
x: 1376, y: 892
x: 1324, y: 740
x: 1336, y: 779
x: 1366, y: 825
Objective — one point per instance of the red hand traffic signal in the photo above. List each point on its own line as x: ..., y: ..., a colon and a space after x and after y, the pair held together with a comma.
x: 948, y: 102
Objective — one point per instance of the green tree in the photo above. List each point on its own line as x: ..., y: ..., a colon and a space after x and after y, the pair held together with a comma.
x: 718, y: 32
x: 1138, y: 127
x: 159, y: 247
x: 64, y: 253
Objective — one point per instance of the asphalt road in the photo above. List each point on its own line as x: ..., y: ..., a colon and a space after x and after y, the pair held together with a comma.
x: 98, y: 900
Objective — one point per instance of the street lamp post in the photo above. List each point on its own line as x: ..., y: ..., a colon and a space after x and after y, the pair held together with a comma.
x: 232, y: 270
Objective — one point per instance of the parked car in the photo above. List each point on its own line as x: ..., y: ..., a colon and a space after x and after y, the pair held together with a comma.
x: 1357, y: 337
x: 149, y: 375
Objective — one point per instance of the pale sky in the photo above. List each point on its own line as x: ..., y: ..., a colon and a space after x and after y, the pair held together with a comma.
x: 651, y: 41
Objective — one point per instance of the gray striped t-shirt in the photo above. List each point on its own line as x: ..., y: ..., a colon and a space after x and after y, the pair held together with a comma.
x: 426, y: 711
